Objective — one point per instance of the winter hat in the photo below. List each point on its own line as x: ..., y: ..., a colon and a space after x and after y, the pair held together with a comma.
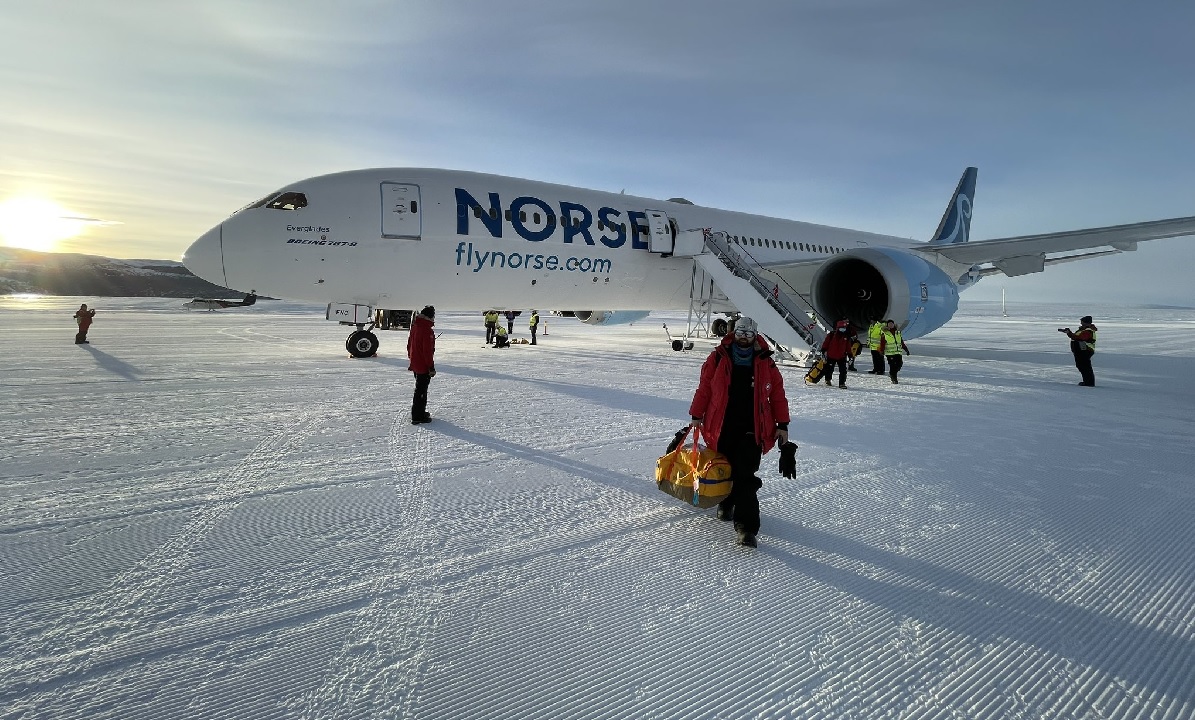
x: 428, y: 312
x: 746, y: 325
x: 1086, y: 319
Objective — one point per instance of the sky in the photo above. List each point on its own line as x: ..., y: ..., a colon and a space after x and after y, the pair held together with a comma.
x: 188, y: 532
x: 147, y: 123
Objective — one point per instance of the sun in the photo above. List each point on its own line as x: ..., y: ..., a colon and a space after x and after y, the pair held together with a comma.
x: 34, y: 223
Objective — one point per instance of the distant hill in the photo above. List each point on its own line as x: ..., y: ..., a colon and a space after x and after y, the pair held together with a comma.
x: 28, y: 271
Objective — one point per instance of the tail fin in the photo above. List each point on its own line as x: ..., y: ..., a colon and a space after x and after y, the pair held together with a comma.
x: 956, y: 221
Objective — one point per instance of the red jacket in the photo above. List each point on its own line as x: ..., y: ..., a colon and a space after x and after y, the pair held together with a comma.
x: 837, y: 345
x: 83, y: 317
x: 421, y: 345
x: 709, y: 402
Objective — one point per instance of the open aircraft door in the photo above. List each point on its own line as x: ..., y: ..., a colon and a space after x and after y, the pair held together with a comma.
x: 400, y: 211
x: 660, y: 238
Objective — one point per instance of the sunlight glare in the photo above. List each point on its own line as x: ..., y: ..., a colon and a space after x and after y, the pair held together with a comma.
x: 35, y: 223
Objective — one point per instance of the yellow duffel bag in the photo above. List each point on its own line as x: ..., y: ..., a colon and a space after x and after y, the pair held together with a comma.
x: 695, y: 474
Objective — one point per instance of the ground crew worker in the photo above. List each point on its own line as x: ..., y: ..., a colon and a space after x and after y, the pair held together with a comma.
x: 1083, y: 347
x: 501, y: 337
x: 491, y: 323
x: 874, y: 337
x: 891, y: 346
x: 534, y: 324
x: 510, y: 320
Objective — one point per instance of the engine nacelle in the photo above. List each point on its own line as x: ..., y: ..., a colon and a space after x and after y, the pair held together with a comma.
x: 606, y: 317
x: 880, y: 283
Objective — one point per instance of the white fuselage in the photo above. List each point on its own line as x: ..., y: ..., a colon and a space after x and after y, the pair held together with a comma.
x: 403, y: 238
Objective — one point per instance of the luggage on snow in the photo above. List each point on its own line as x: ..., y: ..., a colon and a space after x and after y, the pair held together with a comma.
x: 815, y: 373
x: 696, y: 474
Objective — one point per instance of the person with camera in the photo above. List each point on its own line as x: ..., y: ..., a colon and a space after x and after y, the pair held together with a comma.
x: 1083, y: 347
x: 83, y: 317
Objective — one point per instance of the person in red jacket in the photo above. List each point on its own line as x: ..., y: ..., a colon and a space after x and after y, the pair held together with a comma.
x: 741, y: 410
x: 837, y: 346
x: 421, y: 347
x: 83, y: 317
x: 1083, y: 347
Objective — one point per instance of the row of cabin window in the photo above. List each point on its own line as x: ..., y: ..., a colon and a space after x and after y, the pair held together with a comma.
x: 294, y: 201
x: 787, y: 245
x: 551, y: 220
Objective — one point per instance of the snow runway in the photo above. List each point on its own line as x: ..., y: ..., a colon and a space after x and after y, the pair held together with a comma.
x: 221, y: 515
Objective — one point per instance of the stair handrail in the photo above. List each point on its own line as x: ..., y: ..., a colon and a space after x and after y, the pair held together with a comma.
x: 793, y: 315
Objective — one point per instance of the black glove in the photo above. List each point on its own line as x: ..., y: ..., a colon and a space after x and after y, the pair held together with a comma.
x: 788, y: 460
x: 680, y: 438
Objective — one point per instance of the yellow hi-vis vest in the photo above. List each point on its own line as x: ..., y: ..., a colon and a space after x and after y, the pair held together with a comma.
x: 491, y: 317
x: 892, y: 342
x: 534, y: 320
x: 873, y: 335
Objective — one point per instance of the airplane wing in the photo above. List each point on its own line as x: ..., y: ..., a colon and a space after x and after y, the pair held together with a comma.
x: 1027, y: 253
x: 1013, y: 256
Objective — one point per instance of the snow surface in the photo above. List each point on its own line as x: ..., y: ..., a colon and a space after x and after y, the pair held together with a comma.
x: 222, y: 515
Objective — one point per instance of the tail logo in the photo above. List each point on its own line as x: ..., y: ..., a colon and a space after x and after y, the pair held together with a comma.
x: 962, y: 221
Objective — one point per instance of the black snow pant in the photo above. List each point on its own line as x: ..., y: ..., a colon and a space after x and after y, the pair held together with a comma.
x: 895, y: 363
x: 419, y: 399
x: 744, y: 455
x: 1083, y: 362
x: 510, y: 327
x: 877, y: 362
x: 840, y: 363
x: 490, y: 329
x: 533, y: 329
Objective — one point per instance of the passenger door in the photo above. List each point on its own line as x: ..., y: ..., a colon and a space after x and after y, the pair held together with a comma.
x: 400, y: 211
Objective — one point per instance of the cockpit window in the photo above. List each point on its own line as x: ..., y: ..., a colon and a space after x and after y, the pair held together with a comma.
x: 288, y: 201
x: 261, y: 202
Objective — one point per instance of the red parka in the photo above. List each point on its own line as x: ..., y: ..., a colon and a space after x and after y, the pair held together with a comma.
x: 710, y: 400
x: 837, y: 345
x: 421, y: 345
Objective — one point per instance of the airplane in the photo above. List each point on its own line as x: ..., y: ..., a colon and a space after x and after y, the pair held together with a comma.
x: 218, y: 304
x: 403, y: 238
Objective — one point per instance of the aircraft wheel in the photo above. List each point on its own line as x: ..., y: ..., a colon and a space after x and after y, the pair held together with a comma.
x: 720, y: 327
x: 362, y: 344
x: 677, y: 345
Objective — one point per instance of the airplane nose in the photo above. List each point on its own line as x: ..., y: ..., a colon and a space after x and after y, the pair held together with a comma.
x: 205, y: 257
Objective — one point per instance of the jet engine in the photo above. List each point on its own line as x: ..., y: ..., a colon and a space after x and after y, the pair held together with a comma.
x: 605, y: 317
x: 866, y: 284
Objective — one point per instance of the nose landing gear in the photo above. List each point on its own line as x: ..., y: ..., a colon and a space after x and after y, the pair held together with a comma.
x: 362, y: 344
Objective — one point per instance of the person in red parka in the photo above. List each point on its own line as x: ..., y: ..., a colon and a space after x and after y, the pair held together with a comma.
x: 837, y: 346
x: 421, y: 348
x: 83, y: 317
x: 741, y: 409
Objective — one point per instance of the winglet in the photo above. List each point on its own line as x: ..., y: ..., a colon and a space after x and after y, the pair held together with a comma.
x: 956, y: 221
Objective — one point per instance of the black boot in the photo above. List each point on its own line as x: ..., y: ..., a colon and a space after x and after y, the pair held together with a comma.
x: 746, y: 539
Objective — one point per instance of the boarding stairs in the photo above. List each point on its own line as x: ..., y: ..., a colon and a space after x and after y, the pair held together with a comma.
x: 786, y: 317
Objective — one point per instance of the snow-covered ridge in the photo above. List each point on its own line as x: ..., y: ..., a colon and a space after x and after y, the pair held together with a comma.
x: 27, y: 271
